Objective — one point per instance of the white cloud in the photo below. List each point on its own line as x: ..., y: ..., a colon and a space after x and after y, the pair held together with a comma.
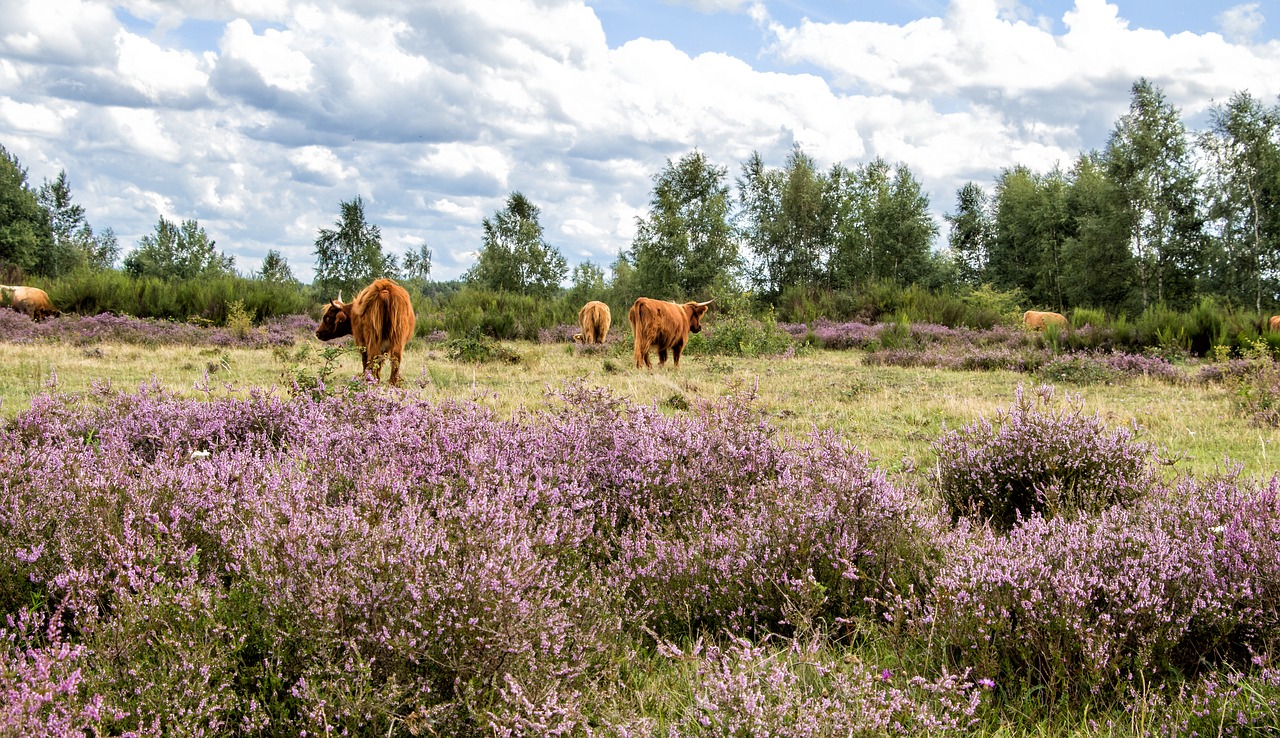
x: 1242, y: 22
x: 159, y: 72
x: 319, y: 164
x: 270, y: 55
x: 34, y: 118
x: 436, y: 110
x: 59, y: 31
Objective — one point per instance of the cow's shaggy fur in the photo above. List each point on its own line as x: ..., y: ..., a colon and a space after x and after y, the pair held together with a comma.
x: 663, y: 326
x: 1038, y: 320
x: 380, y: 320
x: 30, y: 300
x: 594, y: 320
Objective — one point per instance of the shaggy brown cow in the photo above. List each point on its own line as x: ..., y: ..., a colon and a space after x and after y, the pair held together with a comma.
x: 1040, y: 320
x: 1274, y: 324
x: 664, y: 326
x: 30, y: 300
x: 594, y: 319
x: 380, y: 320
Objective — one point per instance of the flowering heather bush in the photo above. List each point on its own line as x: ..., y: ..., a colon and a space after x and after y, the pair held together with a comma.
x: 964, y: 358
x: 1185, y: 579
x: 1035, y: 460
x: 1094, y: 367
x: 1254, y: 381
x: 85, y: 330
x: 752, y: 690
x: 359, y: 562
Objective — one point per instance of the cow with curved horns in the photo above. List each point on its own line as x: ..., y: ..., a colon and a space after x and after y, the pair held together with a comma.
x: 1274, y: 324
x: 1038, y: 320
x: 594, y: 319
x: 30, y: 300
x: 664, y: 326
x: 380, y: 320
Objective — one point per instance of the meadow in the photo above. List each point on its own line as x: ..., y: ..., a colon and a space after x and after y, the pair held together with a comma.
x: 225, y: 534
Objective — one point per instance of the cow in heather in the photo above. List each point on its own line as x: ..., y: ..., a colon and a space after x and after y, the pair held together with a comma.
x: 1037, y: 320
x: 594, y: 320
x: 1274, y: 324
x: 30, y: 300
x: 380, y: 320
x: 664, y: 326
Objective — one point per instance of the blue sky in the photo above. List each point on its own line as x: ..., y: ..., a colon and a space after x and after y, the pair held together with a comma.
x: 257, y: 117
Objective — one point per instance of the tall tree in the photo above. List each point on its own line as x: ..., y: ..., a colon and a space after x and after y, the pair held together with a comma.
x: 275, y: 269
x: 26, y: 236
x: 970, y: 233
x: 1149, y: 159
x: 588, y: 283
x: 514, y: 256
x: 1098, y: 266
x: 685, y: 245
x: 1030, y: 229
x: 349, y: 255
x: 178, y: 252
x: 75, y: 245
x: 416, y: 265
x: 1243, y: 144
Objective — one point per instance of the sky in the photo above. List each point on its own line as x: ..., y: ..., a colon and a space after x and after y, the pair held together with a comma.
x: 258, y: 118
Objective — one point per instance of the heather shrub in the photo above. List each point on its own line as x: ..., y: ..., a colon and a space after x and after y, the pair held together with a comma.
x: 1100, y: 367
x: 1254, y: 383
x: 1033, y: 459
x: 744, y: 689
x: 1184, y: 580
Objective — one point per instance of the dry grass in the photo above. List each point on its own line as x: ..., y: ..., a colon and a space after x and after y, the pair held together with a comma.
x: 892, y: 413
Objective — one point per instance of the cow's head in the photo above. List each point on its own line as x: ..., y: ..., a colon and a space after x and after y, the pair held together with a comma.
x: 696, y: 309
x: 577, y: 338
x: 335, y: 321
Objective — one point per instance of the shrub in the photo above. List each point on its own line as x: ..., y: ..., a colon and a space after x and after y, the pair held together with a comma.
x: 1035, y: 460
x: 1183, y: 580
x: 1255, y: 385
x: 479, y: 349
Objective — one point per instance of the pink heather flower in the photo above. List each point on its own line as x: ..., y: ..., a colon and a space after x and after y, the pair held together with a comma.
x: 986, y: 683
x: 886, y: 675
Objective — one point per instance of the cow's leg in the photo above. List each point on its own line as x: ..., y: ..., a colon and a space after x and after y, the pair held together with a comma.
x: 642, y: 359
x: 396, y: 355
x: 365, y: 360
x: 662, y: 356
x: 675, y: 353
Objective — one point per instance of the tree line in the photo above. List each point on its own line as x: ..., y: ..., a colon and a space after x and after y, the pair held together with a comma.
x: 1159, y: 216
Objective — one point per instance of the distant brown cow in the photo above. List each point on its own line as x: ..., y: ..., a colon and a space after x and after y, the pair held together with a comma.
x: 594, y: 319
x: 1274, y: 324
x: 30, y: 300
x: 380, y: 320
x: 1038, y: 320
x: 664, y: 326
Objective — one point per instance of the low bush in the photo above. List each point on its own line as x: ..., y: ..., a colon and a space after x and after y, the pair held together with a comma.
x: 1035, y: 460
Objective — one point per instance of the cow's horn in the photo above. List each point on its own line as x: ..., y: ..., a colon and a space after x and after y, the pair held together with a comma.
x: 708, y: 302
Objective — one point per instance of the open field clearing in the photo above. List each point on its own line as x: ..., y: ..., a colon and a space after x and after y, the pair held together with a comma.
x: 200, y: 539
x: 890, y: 412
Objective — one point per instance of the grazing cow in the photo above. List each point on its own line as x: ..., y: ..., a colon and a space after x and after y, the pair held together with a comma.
x: 594, y: 319
x: 30, y: 300
x: 1038, y: 320
x: 1274, y: 324
x: 380, y: 320
x: 664, y: 326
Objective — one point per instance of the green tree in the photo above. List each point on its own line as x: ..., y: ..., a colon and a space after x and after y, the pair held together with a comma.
x: 514, y: 256
x: 1098, y: 265
x: 1149, y: 159
x: 26, y: 236
x: 685, y: 245
x: 349, y: 255
x: 75, y: 245
x: 588, y: 284
x: 1243, y: 144
x: 970, y: 234
x: 784, y: 222
x: 275, y: 269
x: 416, y: 264
x: 178, y: 252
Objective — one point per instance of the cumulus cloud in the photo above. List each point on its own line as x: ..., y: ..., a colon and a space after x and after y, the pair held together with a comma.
x: 1242, y: 22
x: 434, y: 111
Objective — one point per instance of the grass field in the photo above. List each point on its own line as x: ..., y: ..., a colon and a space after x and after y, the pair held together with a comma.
x: 892, y: 413
x: 264, y: 565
